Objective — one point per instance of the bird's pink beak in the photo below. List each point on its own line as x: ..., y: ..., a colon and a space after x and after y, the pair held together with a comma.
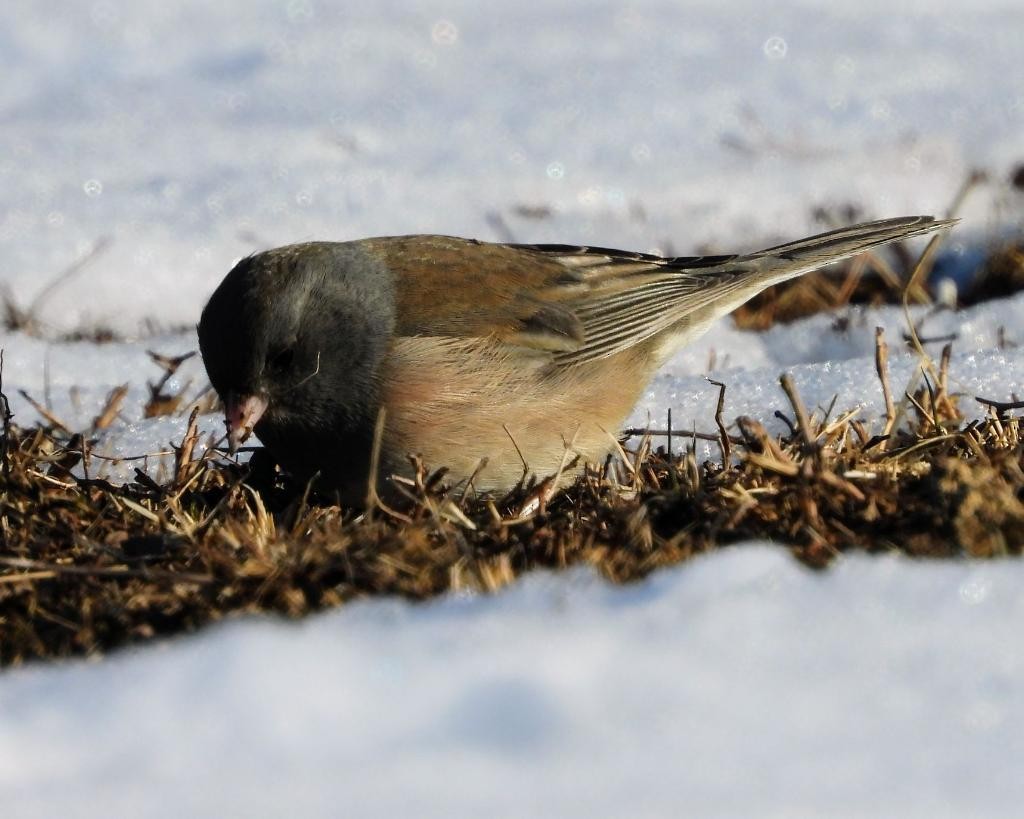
x: 241, y: 413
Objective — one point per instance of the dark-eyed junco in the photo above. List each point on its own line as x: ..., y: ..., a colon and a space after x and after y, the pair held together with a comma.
x: 474, y: 350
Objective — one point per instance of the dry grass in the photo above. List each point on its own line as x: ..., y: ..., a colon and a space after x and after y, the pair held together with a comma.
x: 86, y: 566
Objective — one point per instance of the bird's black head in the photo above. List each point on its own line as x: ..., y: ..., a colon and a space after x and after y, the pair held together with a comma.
x: 293, y: 340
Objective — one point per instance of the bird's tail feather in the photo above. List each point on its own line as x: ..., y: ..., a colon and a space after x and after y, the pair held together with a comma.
x: 794, y: 258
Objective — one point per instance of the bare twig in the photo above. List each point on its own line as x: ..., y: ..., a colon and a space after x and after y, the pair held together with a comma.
x: 112, y: 406
x: 882, y: 368
x: 27, y: 320
x: 633, y: 432
x: 803, y: 421
x: 5, y: 419
x: 723, y: 433
x: 104, y: 571
x: 372, y: 495
x: 1000, y: 407
x: 50, y: 417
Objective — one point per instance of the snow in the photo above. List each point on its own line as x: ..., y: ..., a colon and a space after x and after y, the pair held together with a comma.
x: 190, y: 134
x: 736, y: 685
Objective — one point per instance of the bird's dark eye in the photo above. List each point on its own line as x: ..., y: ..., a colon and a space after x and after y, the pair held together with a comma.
x: 281, y: 360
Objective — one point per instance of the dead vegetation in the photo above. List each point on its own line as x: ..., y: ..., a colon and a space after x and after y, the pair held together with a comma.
x: 86, y: 565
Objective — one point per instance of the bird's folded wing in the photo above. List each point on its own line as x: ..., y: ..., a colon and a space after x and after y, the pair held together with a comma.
x: 584, y: 303
x: 551, y: 299
x: 459, y: 288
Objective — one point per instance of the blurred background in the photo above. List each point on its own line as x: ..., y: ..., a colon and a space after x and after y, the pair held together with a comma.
x: 159, y: 142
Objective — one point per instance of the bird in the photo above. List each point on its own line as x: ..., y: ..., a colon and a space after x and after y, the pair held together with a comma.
x: 493, y: 360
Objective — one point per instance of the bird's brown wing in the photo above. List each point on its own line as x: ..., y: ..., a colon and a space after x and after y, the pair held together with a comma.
x: 585, y: 303
x: 554, y: 299
x: 461, y: 288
